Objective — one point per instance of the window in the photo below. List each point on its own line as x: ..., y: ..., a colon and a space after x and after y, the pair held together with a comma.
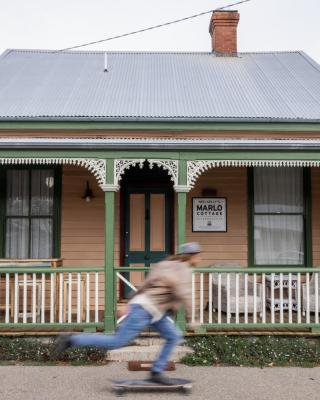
x: 279, y: 228
x: 29, y: 208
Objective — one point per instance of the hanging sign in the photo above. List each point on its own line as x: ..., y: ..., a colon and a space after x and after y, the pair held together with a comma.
x: 209, y: 214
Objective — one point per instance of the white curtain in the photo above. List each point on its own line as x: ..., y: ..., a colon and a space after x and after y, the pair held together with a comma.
x: 29, y: 211
x: 278, y: 216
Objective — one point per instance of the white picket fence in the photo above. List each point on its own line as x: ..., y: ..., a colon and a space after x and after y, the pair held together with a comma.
x: 50, y: 296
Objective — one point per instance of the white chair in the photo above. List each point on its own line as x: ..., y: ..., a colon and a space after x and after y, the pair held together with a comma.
x: 233, y: 300
x: 312, y: 294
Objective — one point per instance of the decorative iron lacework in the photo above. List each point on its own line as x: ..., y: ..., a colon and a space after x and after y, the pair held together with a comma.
x: 196, y: 168
x: 172, y: 166
x: 121, y: 164
x: 96, y: 166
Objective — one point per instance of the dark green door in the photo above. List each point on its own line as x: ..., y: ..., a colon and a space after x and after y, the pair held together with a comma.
x: 148, y: 227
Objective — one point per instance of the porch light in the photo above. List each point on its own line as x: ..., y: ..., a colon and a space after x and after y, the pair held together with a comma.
x: 88, y: 195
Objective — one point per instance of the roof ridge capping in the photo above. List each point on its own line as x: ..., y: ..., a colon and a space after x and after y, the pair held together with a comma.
x: 142, y: 52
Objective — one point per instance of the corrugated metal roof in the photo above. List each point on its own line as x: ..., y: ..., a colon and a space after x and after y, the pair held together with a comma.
x: 280, y: 86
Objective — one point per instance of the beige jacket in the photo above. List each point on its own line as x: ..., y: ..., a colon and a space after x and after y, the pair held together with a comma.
x: 168, y: 286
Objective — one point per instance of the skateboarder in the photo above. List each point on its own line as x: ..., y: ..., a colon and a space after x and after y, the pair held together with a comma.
x: 166, y: 288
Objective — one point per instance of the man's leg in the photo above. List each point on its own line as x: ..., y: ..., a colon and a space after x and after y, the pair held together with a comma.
x: 172, y: 335
x: 132, y: 325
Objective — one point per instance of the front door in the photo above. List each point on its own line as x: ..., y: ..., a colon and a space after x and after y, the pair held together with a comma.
x: 148, y: 228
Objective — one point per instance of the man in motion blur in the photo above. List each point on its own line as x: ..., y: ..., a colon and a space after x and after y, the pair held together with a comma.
x: 166, y: 288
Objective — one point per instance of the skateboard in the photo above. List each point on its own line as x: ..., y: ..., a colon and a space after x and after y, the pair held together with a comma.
x: 120, y: 387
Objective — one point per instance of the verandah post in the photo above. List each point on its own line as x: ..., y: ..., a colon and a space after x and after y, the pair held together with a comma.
x: 109, y: 281
x: 182, y: 190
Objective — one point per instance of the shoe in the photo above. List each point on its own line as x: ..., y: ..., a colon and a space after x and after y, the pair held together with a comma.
x: 160, y: 378
x: 62, y: 344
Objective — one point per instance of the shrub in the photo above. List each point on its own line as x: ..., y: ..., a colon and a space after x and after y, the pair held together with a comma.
x: 252, y: 351
x: 34, y: 350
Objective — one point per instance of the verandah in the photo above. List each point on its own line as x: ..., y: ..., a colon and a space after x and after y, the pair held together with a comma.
x: 184, y: 167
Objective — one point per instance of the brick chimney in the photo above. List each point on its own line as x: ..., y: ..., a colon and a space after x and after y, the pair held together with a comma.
x: 223, y: 31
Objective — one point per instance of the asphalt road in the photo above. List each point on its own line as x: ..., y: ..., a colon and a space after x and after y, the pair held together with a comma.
x: 86, y: 383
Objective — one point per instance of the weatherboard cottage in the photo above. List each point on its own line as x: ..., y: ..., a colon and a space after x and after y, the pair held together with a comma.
x: 104, y: 171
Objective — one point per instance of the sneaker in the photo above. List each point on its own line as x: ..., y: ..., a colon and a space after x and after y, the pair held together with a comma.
x: 160, y: 378
x: 62, y: 344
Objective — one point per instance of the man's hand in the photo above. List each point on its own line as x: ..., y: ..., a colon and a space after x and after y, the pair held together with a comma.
x: 124, y: 311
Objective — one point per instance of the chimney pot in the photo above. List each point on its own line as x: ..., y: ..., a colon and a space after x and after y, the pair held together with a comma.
x: 223, y: 31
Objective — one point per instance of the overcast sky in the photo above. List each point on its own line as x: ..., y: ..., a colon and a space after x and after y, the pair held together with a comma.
x: 264, y: 24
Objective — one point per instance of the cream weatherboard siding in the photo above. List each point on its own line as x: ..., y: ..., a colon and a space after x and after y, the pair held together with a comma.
x: 82, y: 227
x: 232, y: 245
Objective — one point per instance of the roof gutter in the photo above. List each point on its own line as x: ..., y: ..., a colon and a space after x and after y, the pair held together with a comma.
x: 158, y: 144
x: 160, y: 125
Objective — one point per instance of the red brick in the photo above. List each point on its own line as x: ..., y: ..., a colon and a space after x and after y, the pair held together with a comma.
x: 223, y: 31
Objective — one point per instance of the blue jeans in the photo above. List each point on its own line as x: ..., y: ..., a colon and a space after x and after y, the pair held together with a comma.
x: 133, y: 324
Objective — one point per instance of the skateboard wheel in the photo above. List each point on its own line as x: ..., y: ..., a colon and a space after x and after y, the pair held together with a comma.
x: 186, y: 391
x: 120, y: 392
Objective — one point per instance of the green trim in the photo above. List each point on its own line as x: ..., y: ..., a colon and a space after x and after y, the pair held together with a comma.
x: 253, y: 154
x: 153, y: 256
x: 182, y: 203
x: 250, y: 197
x: 127, y: 268
x: 245, y: 270
x: 57, y: 212
x: 308, y: 216
x: 260, y: 325
x: 183, y: 173
x: 181, y: 155
x: 204, y: 327
x: 307, y: 220
x: 47, y: 325
x: 162, y: 126
x: 55, y: 217
x: 181, y: 226
x: 182, y: 206
x: 261, y: 270
x: 109, y: 281
x: 47, y: 270
x: 109, y: 290
x: 2, y: 211
x: 110, y: 171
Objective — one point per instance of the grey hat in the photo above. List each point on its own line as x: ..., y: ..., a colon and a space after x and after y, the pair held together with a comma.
x: 189, y: 248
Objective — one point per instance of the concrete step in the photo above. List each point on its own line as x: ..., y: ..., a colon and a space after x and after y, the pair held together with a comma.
x: 148, y: 341
x: 145, y: 353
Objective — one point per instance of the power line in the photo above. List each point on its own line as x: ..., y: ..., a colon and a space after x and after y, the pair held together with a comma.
x: 153, y: 27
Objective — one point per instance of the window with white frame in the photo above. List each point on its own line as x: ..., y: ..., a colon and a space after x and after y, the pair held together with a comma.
x: 278, y: 216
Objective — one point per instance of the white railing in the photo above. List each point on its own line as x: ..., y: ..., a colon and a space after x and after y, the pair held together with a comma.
x: 257, y: 297
x: 221, y: 297
x: 51, y: 296
x: 249, y: 297
x: 120, y: 278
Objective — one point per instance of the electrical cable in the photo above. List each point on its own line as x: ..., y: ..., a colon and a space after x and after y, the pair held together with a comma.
x: 153, y: 27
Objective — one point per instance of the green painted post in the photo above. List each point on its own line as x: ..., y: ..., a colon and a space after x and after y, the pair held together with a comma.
x: 182, y: 207
x: 181, y: 225
x: 109, y: 281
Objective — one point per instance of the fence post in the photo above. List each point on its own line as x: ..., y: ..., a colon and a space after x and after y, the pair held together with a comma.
x: 109, y: 279
x: 182, y: 190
